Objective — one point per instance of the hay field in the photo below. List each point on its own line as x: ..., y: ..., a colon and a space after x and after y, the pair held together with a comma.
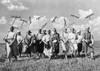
x: 43, y: 64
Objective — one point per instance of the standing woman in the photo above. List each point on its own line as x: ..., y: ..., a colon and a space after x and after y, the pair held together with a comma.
x: 28, y: 42
x: 38, y: 41
x: 79, y: 42
x: 55, y: 43
x: 11, y: 44
x: 64, y: 42
x: 47, y: 44
x: 72, y: 40
x: 20, y: 44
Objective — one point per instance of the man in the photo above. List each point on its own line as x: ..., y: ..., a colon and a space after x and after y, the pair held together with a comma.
x: 20, y: 44
x: 47, y: 44
x: 88, y: 41
x: 28, y: 42
x: 55, y: 43
x: 11, y: 44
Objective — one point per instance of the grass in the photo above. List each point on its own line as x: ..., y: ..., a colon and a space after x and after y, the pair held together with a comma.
x: 43, y: 64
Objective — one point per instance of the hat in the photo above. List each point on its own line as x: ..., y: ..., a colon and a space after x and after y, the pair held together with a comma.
x: 12, y: 28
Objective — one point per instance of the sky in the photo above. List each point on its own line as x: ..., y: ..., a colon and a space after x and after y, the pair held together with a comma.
x: 48, y: 9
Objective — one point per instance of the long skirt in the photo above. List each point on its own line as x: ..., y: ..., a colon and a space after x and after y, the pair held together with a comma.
x: 8, y: 50
x: 55, y: 48
x: 75, y: 46
x: 20, y: 46
x: 40, y: 46
x: 79, y: 47
x: 14, y: 49
x: 71, y: 48
x: 65, y: 46
x: 24, y: 48
x: 29, y: 50
x: 34, y: 48
x: 47, y: 50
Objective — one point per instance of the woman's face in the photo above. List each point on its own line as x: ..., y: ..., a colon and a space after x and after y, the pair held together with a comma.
x: 54, y: 30
x: 12, y: 29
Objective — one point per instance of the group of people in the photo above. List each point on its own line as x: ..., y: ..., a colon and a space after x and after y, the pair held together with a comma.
x: 77, y: 42
x: 48, y: 43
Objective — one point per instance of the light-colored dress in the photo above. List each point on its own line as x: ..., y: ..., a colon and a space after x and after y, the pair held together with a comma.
x: 10, y: 37
x: 64, y: 37
x: 20, y: 46
x: 39, y: 36
x: 80, y: 37
x: 46, y: 40
x: 72, y: 40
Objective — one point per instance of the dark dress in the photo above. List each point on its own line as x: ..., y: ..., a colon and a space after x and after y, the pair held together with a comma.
x: 33, y: 44
x: 39, y: 43
x: 79, y: 47
x: 40, y: 46
x: 14, y: 49
x: 28, y: 41
x: 20, y: 47
x: 55, y: 49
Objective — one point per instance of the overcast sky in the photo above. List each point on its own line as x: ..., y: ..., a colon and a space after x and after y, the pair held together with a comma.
x: 49, y: 8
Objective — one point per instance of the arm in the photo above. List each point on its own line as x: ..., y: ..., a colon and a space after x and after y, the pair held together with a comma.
x: 31, y: 39
x: 58, y: 37
x: 44, y: 40
x: 92, y: 39
x: 6, y: 38
x: 14, y: 37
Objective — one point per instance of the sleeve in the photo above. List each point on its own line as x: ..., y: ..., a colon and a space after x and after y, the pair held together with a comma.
x: 58, y: 37
x: 44, y: 39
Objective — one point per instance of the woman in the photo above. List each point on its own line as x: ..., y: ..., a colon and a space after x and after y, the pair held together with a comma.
x: 55, y: 43
x: 20, y: 44
x: 28, y: 42
x: 47, y: 44
x: 64, y: 42
x: 11, y: 44
x: 72, y: 40
x: 79, y: 42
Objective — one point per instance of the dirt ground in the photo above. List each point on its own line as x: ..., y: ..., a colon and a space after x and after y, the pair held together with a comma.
x: 59, y: 64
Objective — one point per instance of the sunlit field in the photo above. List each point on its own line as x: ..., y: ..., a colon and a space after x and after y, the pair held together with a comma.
x: 59, y: 64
